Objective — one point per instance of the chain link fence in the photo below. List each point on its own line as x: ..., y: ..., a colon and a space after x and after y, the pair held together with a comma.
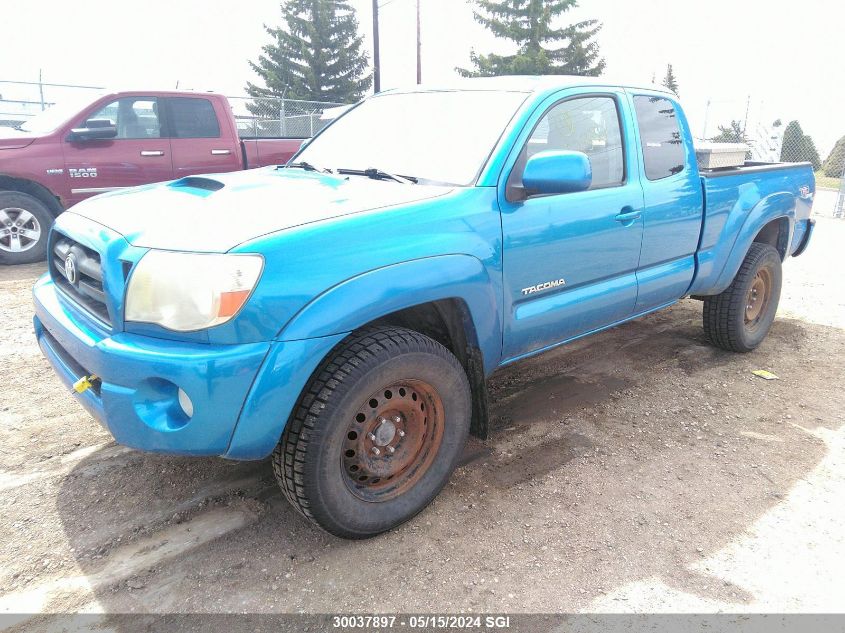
x: 22, y: 100
x: 255, y: 117
x: 275, y: 117
x: 771, y: 138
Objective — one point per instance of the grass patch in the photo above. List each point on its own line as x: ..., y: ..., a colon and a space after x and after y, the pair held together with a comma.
x: 827, y: 182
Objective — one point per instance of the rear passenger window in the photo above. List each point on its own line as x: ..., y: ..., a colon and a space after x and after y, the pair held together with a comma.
x: 584, y: 124
x: 191, y: 117
x: 660, y: 135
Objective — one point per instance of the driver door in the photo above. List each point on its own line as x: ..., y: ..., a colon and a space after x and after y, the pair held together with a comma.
x: 570, y: 259
x: 137, y: 155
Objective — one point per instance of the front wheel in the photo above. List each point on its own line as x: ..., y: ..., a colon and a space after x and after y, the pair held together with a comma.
x: 741, y: 316
x: 376, y: 433
x: 24, y: 225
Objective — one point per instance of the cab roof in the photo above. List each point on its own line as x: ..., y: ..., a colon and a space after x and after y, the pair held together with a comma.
x: 529, y: 84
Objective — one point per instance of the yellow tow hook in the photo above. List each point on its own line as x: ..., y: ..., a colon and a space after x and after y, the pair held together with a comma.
x: 84, y: 384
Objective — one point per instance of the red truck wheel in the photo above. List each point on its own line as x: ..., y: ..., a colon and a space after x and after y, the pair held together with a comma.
x: 24, y: 224
x: 739, y: 318
x: 376, y: 433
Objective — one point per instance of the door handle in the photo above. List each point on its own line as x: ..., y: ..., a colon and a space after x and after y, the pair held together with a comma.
x: 627, y: 215
x: 152, y: 152
x: 221, y: 152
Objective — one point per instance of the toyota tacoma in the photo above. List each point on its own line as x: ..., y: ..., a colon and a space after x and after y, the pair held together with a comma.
x: 342, y: 313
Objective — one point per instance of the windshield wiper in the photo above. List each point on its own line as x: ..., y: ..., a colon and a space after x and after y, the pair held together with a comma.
x: 308, y: 167
x: 379, y: 174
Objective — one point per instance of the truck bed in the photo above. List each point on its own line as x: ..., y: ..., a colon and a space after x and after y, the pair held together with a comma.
x: 736, y: 199
x: 260, y: 152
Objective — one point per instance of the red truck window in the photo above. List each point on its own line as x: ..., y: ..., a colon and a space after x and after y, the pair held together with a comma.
x: 134, y: 117
x: 192, y: 117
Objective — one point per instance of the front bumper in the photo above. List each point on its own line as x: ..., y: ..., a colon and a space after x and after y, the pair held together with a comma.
x: 137, y: 399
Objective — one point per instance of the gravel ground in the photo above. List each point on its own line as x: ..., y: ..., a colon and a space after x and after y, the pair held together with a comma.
x: 635, y: 470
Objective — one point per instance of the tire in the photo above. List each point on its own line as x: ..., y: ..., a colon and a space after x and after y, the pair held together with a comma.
x: 325, y: 462
x: 739, y: 318
x: 24, y: 226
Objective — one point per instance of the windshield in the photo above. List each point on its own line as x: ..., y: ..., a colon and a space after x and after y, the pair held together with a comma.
x: 54, y: 116
x: 435, y: 137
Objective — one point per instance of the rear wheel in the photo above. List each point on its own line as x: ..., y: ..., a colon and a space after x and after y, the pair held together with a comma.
x: 24, y: 224
x: 376, y: 433
x: 739, y: 318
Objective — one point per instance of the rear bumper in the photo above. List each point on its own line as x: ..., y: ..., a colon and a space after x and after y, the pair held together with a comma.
x: 137, y: 400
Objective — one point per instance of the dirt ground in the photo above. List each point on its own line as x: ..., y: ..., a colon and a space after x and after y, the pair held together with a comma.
x: 637, y: 470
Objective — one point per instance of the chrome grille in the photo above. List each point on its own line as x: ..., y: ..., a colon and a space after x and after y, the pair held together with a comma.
x: 82, y: 280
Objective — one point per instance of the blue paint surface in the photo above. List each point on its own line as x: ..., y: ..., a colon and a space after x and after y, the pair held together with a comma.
x: 342, y: 252
x: 554, y: 172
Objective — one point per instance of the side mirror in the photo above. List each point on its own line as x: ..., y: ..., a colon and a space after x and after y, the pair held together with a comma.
x: 92, y: 133
x: 557, y: 171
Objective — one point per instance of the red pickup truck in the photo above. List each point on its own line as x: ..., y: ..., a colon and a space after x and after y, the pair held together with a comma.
x: 121, y: 139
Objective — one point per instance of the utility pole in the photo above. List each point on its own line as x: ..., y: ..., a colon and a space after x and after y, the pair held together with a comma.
x: 419, y: 47
x: 41, y: 90
x: 747, y: 108
x: 376, y: 59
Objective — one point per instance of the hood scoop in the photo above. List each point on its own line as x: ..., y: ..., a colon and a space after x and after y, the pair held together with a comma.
x: 213, y: 213
x: 197, y: 185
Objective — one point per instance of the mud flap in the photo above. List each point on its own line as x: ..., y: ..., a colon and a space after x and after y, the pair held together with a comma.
x: 480, y: 425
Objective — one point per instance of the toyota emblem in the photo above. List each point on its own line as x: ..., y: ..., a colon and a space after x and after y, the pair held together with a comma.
x: 70, y: 268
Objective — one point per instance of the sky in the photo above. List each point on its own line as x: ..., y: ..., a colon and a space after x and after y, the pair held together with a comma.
x: 774, y: 59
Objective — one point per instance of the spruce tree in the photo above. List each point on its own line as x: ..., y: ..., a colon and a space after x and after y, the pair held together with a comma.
x: 315, y: 55
x: 811, y: 153
x: 792, y: 148
x: 834, y: 164
x: 798, y: 147
x: 733, y: 133
x: 669, y: 81
x: 529, y: 24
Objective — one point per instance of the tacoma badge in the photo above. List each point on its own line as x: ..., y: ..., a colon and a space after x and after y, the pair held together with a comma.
x: 548, y: 285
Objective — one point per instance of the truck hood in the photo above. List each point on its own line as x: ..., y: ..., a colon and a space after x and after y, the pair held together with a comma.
x: 11, y: 138
x: 215, y: 213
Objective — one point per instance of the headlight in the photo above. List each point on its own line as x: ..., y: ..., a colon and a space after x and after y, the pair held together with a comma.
x: 190, y: 291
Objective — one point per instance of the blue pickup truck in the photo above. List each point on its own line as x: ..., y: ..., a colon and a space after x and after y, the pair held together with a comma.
x: 343, y: 312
